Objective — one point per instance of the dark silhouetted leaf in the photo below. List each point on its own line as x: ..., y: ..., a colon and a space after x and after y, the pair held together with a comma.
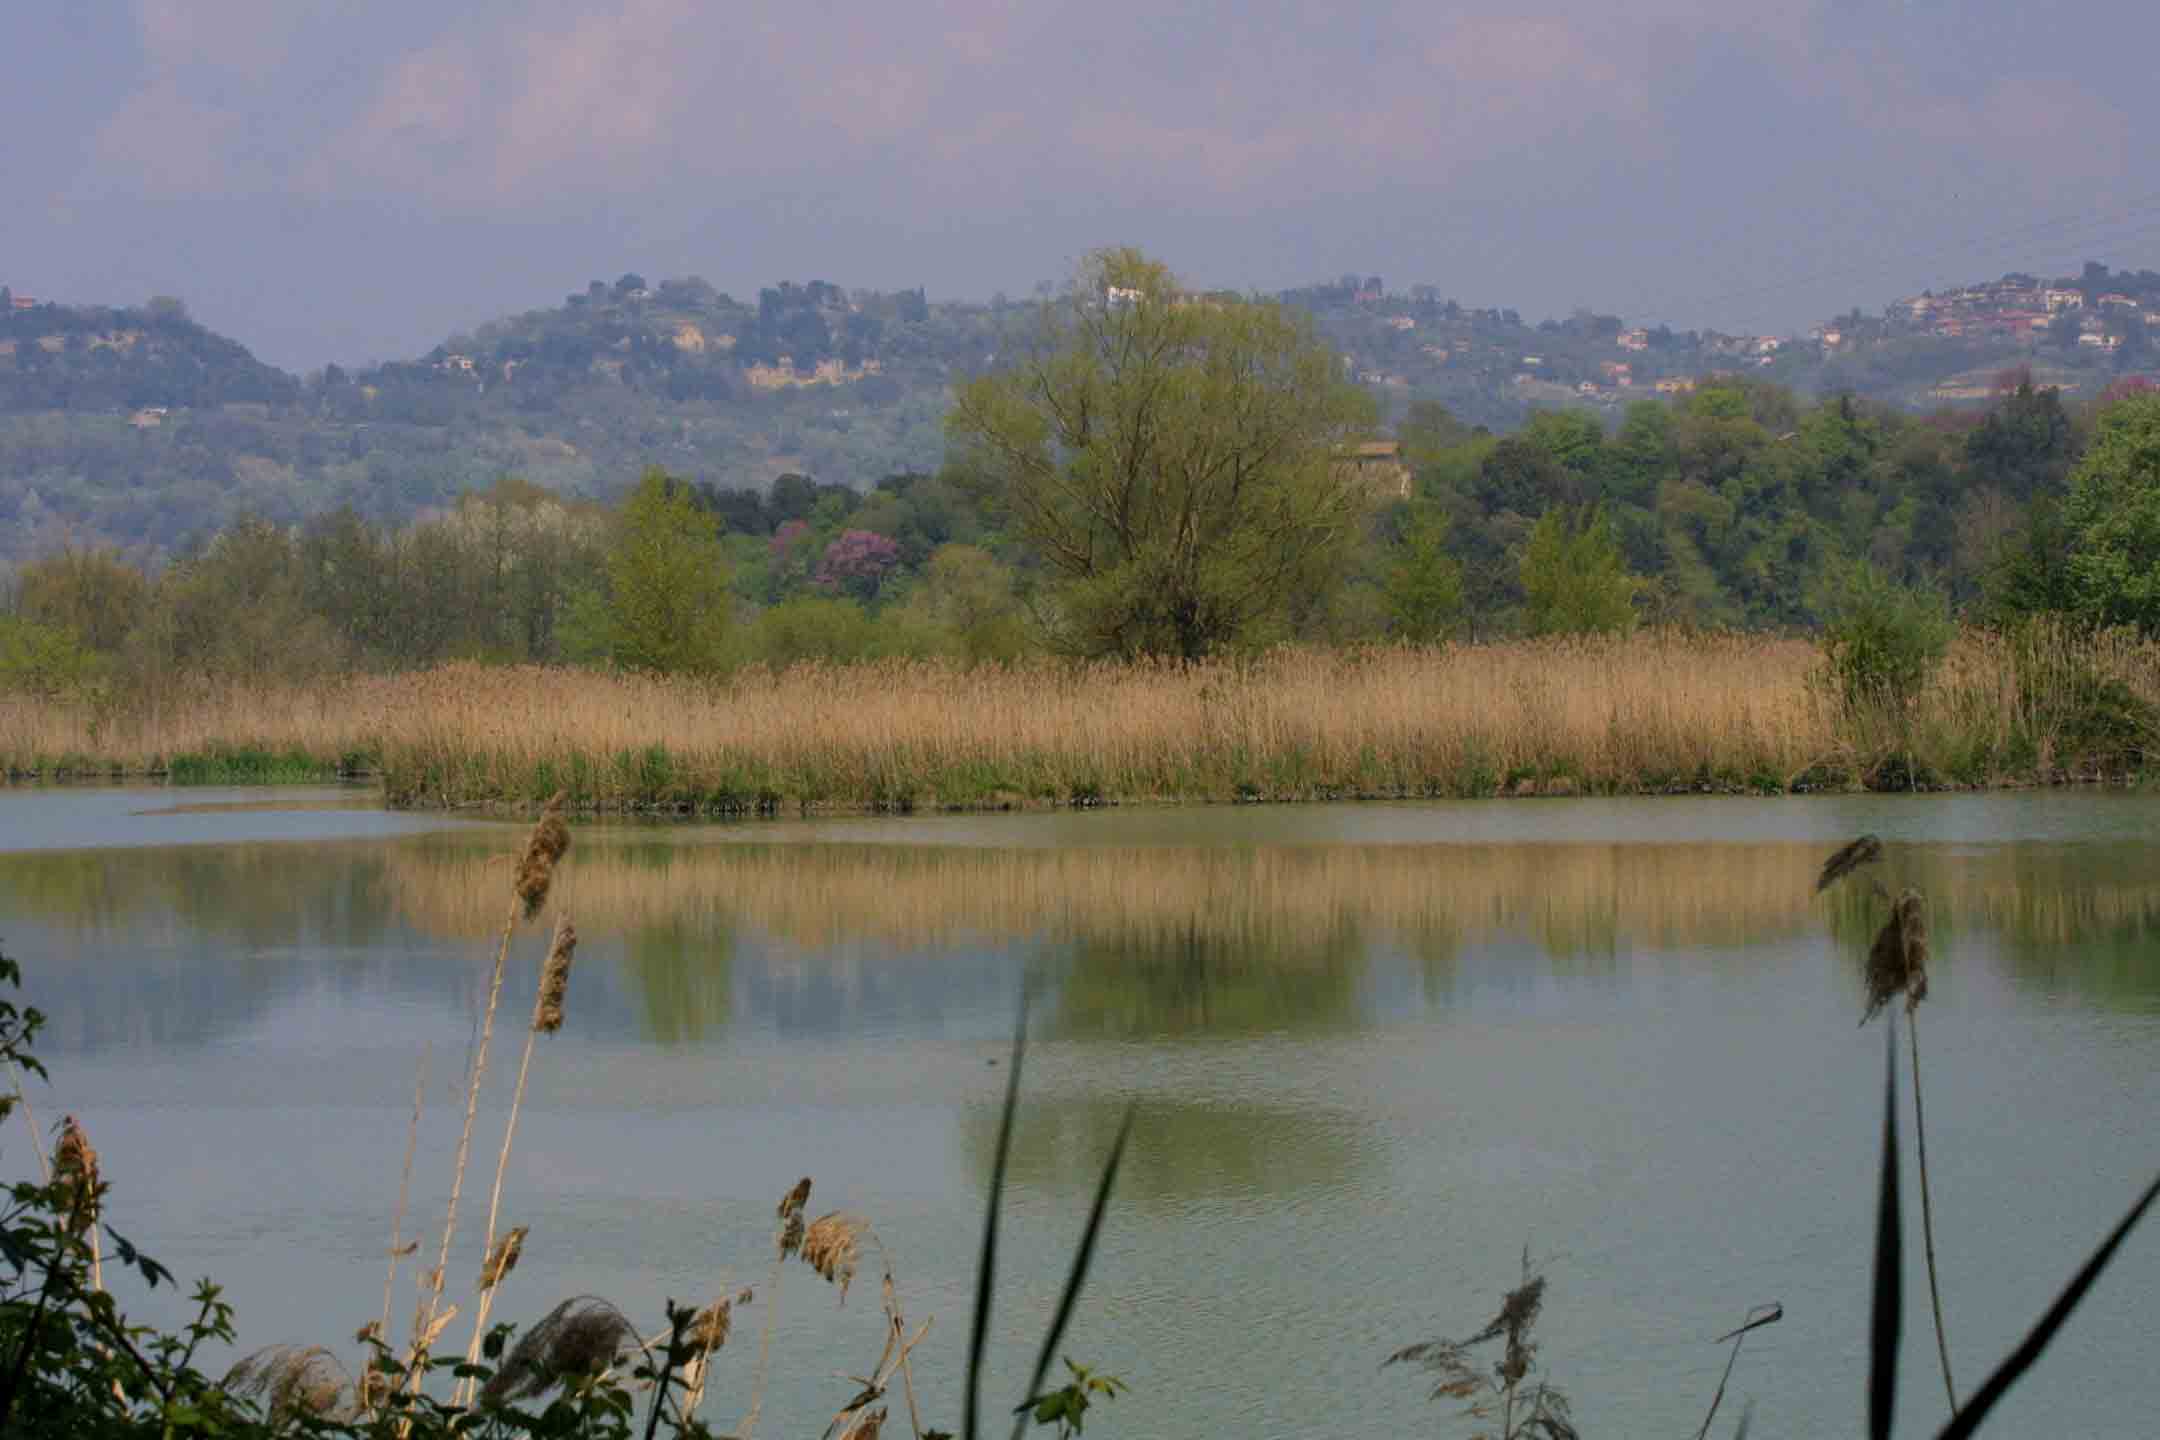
x: 2020, y: 1360
x: 1889, y: 1308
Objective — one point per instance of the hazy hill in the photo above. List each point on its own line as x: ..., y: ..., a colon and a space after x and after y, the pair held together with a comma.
x: 138, y: 426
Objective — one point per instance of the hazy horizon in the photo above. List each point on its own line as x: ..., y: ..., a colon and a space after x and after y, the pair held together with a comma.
x: 331, y: 182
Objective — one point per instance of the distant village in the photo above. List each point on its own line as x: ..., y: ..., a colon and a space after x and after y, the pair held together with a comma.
x: 2024, y: 309
x: 1487, y: 363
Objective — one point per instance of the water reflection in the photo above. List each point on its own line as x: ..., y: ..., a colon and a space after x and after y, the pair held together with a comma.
x: 684, y: 941
x: 1192, y: 980
x: 1212, y: 1147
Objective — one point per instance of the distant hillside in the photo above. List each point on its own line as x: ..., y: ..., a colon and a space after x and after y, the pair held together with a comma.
x: 137, y: 426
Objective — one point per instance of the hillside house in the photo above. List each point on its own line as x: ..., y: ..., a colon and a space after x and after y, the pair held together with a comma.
x: 2119, y: 302
x: 23, y: 302
x: 1401, y: 322
x: 1634, y: 339
x: 2065, y: 300
x: 1377, y: 467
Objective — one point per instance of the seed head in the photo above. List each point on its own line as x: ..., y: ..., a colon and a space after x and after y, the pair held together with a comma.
x: 709, y: 1332
x: 503, y: 1258
x: 1897, y: 961
x: 555, y: 978
x: 536, y: 867
x: 830, y: 1247
x: 75, y: 1166
x: 792, y: 1203
x: 864, y: 1425
x: 1846, y: 859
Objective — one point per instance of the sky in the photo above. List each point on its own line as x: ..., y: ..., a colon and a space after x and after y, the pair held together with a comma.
x: 357, y: 180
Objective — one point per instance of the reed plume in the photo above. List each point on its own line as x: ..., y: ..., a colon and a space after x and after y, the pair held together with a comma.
x: 547, y: 1019
x: 708, y: 1336
x: 549, y: 840
x: 831, y: 1247
x: 75, y: 1166
x: 582, y: 1337
x: 555, y: 979
x: 861, y: 1424
x: 503, y: 1258
x: 788, y: 1238
x: 1460, y: 1377
x: 295, y: 1383
x: 1898, y: 964
x: 1846, y: 859
x: 1897, y: 961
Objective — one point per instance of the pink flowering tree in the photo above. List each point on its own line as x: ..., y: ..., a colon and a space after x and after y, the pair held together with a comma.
x: 857, y: 563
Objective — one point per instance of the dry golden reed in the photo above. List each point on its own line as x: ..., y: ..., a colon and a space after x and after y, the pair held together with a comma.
x: 292, y: 1381
x: 1652, y: 711
x: 714, y: 1324
x: 503, y: 1258
x: 75, y: 1166
x: 788, y: 1238
x: 831, y: 1246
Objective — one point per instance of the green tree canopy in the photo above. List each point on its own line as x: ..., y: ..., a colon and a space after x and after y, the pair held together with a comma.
x: 1575, y: 580
x: 1423, y: 583
x: 2113, y: 515
x: 1174, y: 461
x: 667, y: 580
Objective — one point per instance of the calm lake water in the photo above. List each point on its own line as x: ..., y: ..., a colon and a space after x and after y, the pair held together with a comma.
x: 1377, y: 1051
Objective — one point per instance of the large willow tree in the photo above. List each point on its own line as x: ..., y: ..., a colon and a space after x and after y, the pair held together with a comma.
x: 1173, y: 459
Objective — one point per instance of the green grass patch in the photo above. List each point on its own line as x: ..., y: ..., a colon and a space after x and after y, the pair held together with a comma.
x: 249, y: 765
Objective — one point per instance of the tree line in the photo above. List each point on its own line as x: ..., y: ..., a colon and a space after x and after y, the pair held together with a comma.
x: 1154, y: 473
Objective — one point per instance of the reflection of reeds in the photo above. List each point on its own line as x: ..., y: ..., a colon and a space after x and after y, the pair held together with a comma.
x: 1573, y: 897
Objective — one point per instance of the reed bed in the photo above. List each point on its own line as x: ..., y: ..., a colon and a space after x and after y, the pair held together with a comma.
x: 1649, y: 713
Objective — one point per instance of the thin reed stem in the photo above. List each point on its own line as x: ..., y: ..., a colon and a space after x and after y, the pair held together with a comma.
x: 37, y: 1141
x: 764, y: 1351
x: 423, y: 1336
x: 1927, y: 1211
x: 397, y: 1217
x: 502, y: 1166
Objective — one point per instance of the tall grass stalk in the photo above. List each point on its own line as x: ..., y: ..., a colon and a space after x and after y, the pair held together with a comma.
x: 397, y: 1216
x: 787, y: 1239
x: 534, y: 875
x: 425, y: 1327
x: 546, y: 1018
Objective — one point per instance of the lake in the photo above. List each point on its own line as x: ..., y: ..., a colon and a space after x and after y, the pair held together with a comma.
x: 1377, y: 1050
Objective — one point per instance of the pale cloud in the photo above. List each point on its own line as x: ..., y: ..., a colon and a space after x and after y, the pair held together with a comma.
x: 976, y: 144
x: 178, y: 130
x: 168, y: 142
